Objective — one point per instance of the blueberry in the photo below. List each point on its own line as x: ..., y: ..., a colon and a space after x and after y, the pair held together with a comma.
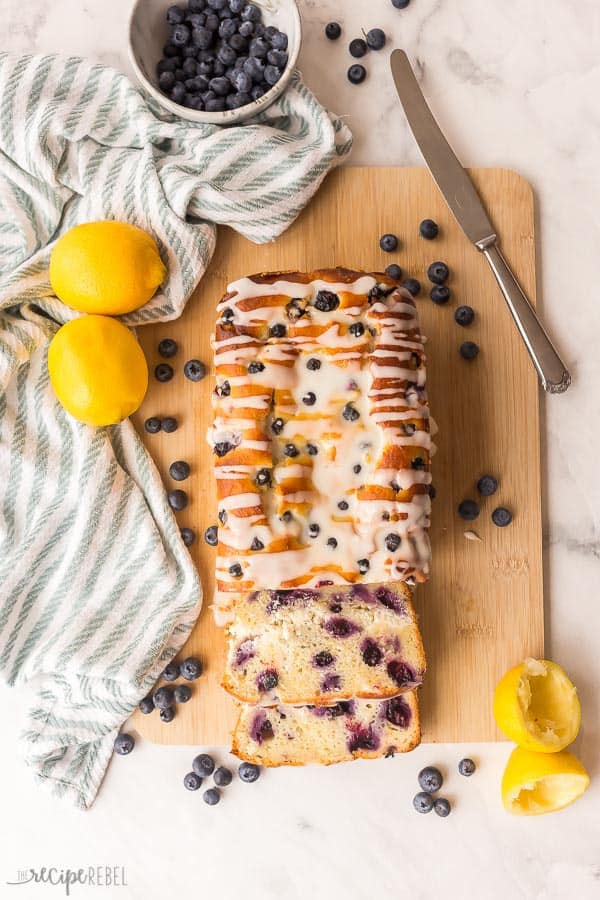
x: 357, y: 468
x: 440, y: 294
x: 166, y: 81
x: 196, y: 5
x: 170, y: 50
x: 222, y: 776
x: 163, y: 371
x: 468, y: 509
x: 371, y: 653
x: 356, y: 74
x: 263, y: 476
x: 277, y: 330
x: 146, y: 705
x: 222, y: 448
x: 180, y: 35
x: 287, y: 516
x: 169, y: 424
x: 343, y: 505
x: 432, y: 492
x: 357, y: 48
x: 323, y: 659
x: 178, y: 499
x: 423, y: 802
x: 376, y: 39
x: 241, y: 81
x: 438, y: 272
x: 235, y: 101
x: 312, y: 450
x: 255, y: 68
x: 333, y: 30
x: 332, y: 542
x: 248, y: 772
x: 124, y: 744
x: 238, y: 43
x: 502, y: 517
x: 166, y: 65
x: 388, y: 242
x: 220, y: 86
x: 212, y: 22
x: 251, y: 13
x: 487, y: 485
x: 313, y: 364
x: 309, y: 399
x: 246, y: 29
x: 428, y: 229
x: 190, y: 668
x: 152, y: 425
x: 189, y: 67
x: 235, y: 570
x: 392, y: 541
x: 226, y: 55
x: 313, y: 529
x: 167, y: 714
x: 441, y: 807
x: 175, y: 15
x: 191, y: 781
x: 188, y: 536
x: 182, y: 693
x: 222, y: 516
x: 469, y: 350
x: 464, y: 315
x: 179, y: 470
x: 278, y: 39
x: 203, y: 765
x: 236, y: 6
x: 202, y: 37
x: 412, y: 286
x: 228, y: 28
x: 194, y: 370
x: 357, y: 329
x: 394, y: 271
x: 277, y: 58
x: 195, y: 20
x: 170, y: 672
x: 217, y: 4
x: 259, y: 47
x: 272, y: 74
x: 277, y: 426
x: 350, y: 413
x: 327, y: 301
x: 257, y: 544
x: 163, y: 697
x: 466, y: 767
x: 430, y: 779
x: 291, y: 450
x: 363, y: 566
x: 216, y: 105
x: 267, y: 680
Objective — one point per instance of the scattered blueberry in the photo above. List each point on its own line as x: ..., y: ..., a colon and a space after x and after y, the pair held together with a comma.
x: 327, y: 301
x: 170, y: 672
x: 163, y: 697
x: 194, y: 370
x: 501, y: 517
x: 124, y: 744
x: 167, y: 714
x: 290, y: 450
x: 392, y: 542
x: 192, y: 781
x: 333, y: 30
x: 363, y: 566
x: 468, y: 509
x: 188, y: 536
x: 469, y: 350
x: 332, y: 542
x: 263, y: 476
x: 152, y: 425
x: 309, y: 399
x: 178, y: 499
x: 441, y: 807
x: 182, y: 693
x: 343, y: 505
x: 312, y: 450
x: 394, y: 271
x: 400, y: 4
x: 222, y: 448
x: 376, y: 39
x: 438, y: 272
x: 168, y: 347
x: 169, y: 424
x: 222, y: 776
x: 146, y: 705
x: 428, y: 229
x: 277, y: 330
x: 313, y: 529
x: 487, y: 485
x: 466, y: 767
x: 248, y: 772
x: 412, y: 286
x: 257, y: 544
x: 357, y: 329
x: 190, y: 668
x: 357, y: 48
x: 440, y: 294
x: 277, y: 426
x: 464, y: 315
x: 203, y: 765
x: 163, y: 372
x: 313, y: 364
x: 430, y: 779
x: 350, y: 413
x: 211, y: 535
x: 179, y: 470
x: 211, y: 796
x: 235, y: 570
x: 388, y: 242
x: 423, y: 802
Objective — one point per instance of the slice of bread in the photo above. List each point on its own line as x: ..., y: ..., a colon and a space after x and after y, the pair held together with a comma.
x: 321, y: 646
x: 298, y: 735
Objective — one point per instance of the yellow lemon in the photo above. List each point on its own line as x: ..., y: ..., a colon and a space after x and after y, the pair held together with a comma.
x: 97, y: 369
x: 110, y: 268
x: 536, y: 706
x: 536, y: 783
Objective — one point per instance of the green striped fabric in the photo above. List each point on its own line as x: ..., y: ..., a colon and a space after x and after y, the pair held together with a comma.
x: 97, y: 591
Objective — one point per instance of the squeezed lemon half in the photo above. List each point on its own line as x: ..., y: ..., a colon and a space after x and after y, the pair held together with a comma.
x: 536, y: 783
x: 536, y: 706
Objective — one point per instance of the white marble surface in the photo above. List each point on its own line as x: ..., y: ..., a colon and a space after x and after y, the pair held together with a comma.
x: 514, y: 84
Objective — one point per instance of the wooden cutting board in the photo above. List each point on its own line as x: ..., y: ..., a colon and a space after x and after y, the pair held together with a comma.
x: 483, y: 608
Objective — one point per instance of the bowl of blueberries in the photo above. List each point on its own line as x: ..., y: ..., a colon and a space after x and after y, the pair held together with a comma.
x: 214, y: 61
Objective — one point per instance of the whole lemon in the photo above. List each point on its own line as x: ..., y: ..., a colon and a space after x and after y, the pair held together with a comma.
x: 110, y: 268
x: 98, y: 370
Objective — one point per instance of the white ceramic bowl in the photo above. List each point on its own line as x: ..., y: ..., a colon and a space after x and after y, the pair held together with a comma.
x: 149, y: 32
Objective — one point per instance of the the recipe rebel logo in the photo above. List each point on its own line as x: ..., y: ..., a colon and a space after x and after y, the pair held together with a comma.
x: 90, y: 876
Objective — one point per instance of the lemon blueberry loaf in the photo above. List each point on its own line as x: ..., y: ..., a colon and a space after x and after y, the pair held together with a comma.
x: 319, y: 646
x: 320, y: 435
x: 297, y: 735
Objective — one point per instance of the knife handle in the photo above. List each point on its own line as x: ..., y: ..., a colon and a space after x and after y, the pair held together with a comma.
x: 551, y: 369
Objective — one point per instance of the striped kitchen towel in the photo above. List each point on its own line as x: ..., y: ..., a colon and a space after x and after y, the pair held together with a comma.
x: 97, y: 591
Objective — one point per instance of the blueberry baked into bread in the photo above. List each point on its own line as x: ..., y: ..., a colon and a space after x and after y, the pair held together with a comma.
x: 322, y: 445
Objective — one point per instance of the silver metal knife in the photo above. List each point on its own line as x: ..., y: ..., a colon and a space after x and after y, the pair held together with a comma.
x: 466, y: 206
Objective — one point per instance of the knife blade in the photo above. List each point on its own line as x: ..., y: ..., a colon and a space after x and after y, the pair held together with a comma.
x: 468, y: 210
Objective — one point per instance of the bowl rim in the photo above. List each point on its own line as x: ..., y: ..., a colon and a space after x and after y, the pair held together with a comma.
x: 226, y: 116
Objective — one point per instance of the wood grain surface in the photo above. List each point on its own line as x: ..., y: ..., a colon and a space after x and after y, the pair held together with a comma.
x: 482, y: 611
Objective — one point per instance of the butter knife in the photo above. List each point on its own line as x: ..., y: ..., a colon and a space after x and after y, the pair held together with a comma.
x: 464, y: 202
